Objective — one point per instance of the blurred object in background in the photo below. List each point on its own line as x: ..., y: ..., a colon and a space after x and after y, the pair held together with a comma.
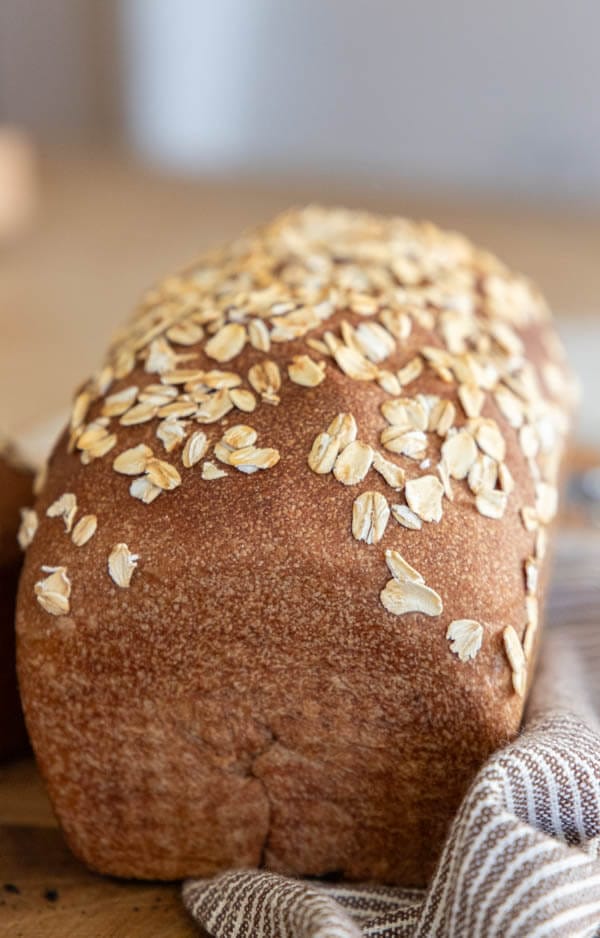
x: 473, y: 96
x: 482, y: 97
x: 165, y: 126
x: 18, y: 182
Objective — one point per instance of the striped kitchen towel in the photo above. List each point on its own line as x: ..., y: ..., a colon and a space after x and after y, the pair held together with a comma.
x: 522, y: 859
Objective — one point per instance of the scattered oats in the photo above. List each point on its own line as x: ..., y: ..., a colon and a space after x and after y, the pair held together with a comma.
x: 396, y: 322
x: 400, y: 568
x: 124, y: 363
x: 411, y: 443
x: 374, y: 341
x: 171, y: 433
x: 101, y: 381
x: 483, y: 474
x: 194, y: 449
x: 541, y: 543
x: 242, y: 399
x: 53, y: 591
x: 507, y: 483
x: 403, y: 596
x: 185, y: 333
x: 121, y: 564
x: 531, y: 575
x: 226, y: 343
x: 132, y: 462
x: 411, y: 371
x: 81, y: 405
x: 355, y: 365
x: 143, y: 489
x: 532, y: 608
x: 162, y: 474
x: 343, y: 427
x: 27, y: 528
x: 64, y: 507
x: 442, y: 417
x: 222, y: 452
x: 491, y: 504
x: 216, y: 379
x: 160, y: 358
x: 251, y: 459
x: 546, y: 502
x: 405, y: 413
x: 509, y: 406
x: 92, y: 433
x: 157, y: 394
x: 323, y: 454
x: 116, y: 404
x: 177, y: 410
x: 211, y: 471
x: 465, y: 636
x: 407, y: 518
x: 370, y: 515
x: 258, y: 334
x: 489, y: 438
x: 529, y: 518
x: 442, y: 471
x: 353, y: 463
x: 513, y: 648
x: 303, y: 370
x: 140, y: 413
x: 183, y: 376
x: 459, y: 452
x: 528, y: 440
x: 265, y: 378
x: 519, y: 681
x: 472, y: 399
x: 215, y: 407
x: 100, y: 448
x: 506, y: 338
x: 424, y: 497
x: 317, y: 346
x: 394, y: 475
x: 388, y: 382
x: 239, y: 436
x: 84, y: 530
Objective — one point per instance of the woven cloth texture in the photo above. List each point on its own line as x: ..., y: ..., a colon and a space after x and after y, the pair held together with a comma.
x: 522, y: 858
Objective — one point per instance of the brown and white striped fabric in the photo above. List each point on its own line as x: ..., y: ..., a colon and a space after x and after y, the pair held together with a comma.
x: 522, y: 859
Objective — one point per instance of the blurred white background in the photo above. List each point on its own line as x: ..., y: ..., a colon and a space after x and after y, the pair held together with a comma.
x: 197, y: 118
x: 469, y: 94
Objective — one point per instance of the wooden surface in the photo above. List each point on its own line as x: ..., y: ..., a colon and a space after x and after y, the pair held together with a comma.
x: 107, y: 228
x: 45, y: 891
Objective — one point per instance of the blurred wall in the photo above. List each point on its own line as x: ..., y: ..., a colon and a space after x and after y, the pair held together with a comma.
x: 468, y: 93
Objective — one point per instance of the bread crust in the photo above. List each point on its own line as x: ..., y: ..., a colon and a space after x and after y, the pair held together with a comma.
x: 15, y: 493
x: 247, y: 699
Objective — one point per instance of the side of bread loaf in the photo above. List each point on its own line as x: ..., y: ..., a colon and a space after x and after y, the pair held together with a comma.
x: 15, y: 493
x: 284, y: 594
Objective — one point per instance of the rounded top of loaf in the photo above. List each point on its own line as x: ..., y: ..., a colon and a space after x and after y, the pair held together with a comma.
x: 329, y: 358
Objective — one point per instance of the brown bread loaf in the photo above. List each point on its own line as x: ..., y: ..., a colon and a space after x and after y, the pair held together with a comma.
x: 283, y: 597
x: 15, y: 493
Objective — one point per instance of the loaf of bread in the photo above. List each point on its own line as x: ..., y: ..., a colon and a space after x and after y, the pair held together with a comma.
x: 284, y: 593
x: 15, y: 493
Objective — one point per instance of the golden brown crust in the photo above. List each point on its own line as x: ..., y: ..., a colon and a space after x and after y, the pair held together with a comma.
x: 229, y: 689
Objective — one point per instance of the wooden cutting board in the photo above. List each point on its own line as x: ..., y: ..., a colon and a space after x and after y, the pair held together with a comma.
x: 45, y: 891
